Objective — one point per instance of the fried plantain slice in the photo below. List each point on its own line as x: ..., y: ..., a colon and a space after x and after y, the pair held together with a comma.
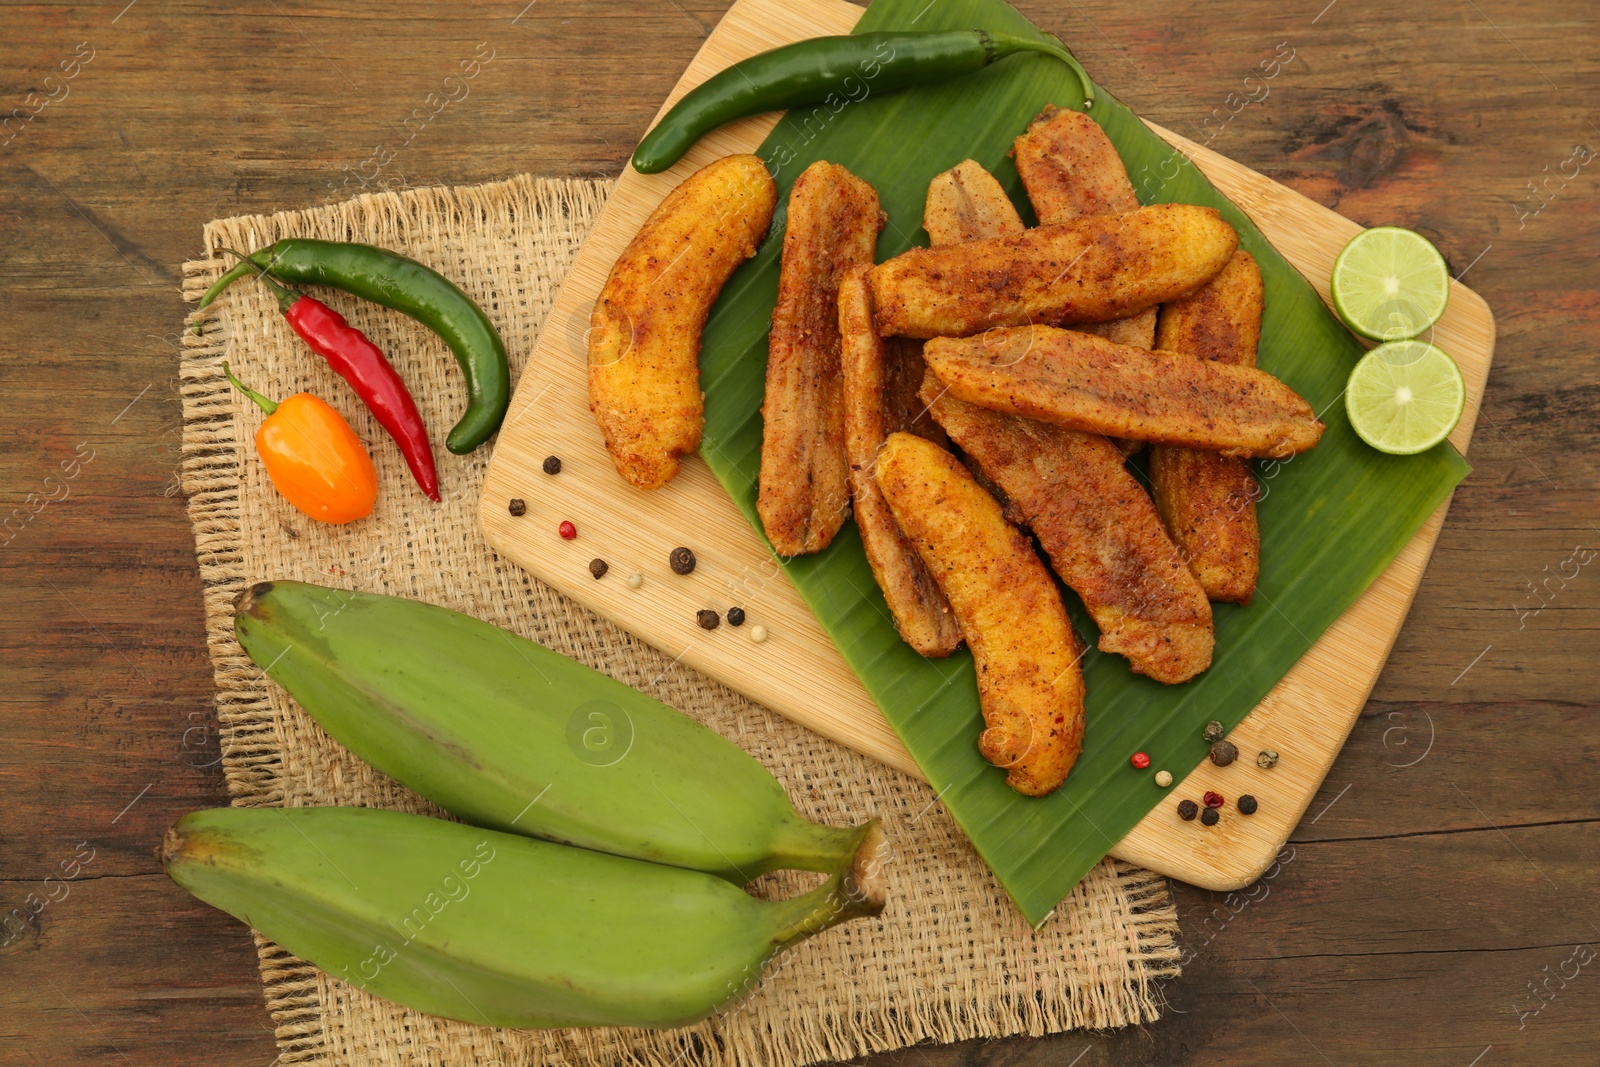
x: 1087, y: 383
x: 966, y: 203
x: 1030, y: 684
x: 1071, y: 170
x: 644, y: 337
x: 882, y: 385
x: 1097, y: 524
x: 1087, y: 270
x: 804, y: 497
x: 1208, y: 500
x: 921, y: 612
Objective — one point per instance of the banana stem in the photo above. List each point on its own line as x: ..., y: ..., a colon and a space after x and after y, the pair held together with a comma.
x: 801, y: 845
x: 854, y: 891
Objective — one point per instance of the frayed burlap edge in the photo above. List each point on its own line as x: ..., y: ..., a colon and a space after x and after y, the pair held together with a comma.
x: 1138, y: 910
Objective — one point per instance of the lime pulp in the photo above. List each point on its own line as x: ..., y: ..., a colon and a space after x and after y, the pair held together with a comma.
x: 1390, y: 284
x: 1405, y: 397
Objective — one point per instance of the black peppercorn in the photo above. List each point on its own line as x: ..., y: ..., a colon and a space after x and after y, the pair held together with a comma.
x: 1209, y: 816
x: 1247, y: 805
x: 681, y: 561
x: 552, y: 464
x: 1213, y: 730
x: 1223, y: 752
x: 1187, y: 810
x: 735, y: 616
x: 708, y: 619
x: 517, y: 506
x: 598, y: 568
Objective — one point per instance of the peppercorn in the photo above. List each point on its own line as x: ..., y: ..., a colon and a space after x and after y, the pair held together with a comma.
x: 735, y: 616
x: 635, y: 580
x: 567, y: 530
x: 552, y: 464
x: 1139, y: 760
x: 681, y: 560
x: 1187, y: 810
x: 598, y: 568
x: 1209, y: 816
x: 1223, y: 752
x: 1214, y: 799
x: 1247, y: 805
x: 758, y: 633
x: 708, y: 619
x: 517, y: 506
x: 1213, y: 730
x: 1266, y: 759
x: 1163, y: 778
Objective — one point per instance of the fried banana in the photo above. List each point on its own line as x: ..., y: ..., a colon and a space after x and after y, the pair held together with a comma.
x: 644, y: 336
x: 1091, y: 516
x: 966, y: 203
x: 804, y: 497
x: 882, y: 385
x: 1208, y: 500
x: 921, y: 612
x: 1102, y: 533
x: 1072, y: 170
x: 1030, y: 684
x: 1087, y: 383
x: 1070, y: 167
x: 1088, y: 270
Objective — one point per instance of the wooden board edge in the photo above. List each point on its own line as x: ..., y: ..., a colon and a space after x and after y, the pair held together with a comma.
x: 1240, y: 849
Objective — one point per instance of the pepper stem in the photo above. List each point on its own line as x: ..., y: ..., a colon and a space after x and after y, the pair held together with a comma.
x: 262, y: 402
x: 1000, y: 45
x: 286, y: 297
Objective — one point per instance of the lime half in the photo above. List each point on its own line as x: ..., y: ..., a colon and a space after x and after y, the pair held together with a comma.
x: 1390, y: 284
x: 1405, y: 397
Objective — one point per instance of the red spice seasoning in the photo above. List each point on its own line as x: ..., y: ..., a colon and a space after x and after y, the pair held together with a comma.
x: 567, y: 530
x: 1140, y: 760
x: 1214, y: 799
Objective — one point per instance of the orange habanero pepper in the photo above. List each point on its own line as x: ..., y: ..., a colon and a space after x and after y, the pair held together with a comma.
x: 313, y: 456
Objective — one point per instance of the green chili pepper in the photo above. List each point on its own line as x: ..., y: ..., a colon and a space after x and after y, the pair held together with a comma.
x: 850, y: 68
x: 412, y: 289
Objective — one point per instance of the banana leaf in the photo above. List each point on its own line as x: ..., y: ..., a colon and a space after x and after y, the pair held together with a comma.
x: 1331, y: 520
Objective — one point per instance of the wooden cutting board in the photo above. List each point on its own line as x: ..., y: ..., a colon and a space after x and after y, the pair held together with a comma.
x: 797, y: 671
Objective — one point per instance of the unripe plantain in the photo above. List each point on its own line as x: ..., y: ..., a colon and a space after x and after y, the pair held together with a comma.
x: 493, y: 928
x: 510, y: 735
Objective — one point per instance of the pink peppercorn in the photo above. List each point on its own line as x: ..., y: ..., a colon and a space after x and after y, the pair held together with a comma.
x: 1214, y: 799
x: 1140, y: 760
x: 567, y: 530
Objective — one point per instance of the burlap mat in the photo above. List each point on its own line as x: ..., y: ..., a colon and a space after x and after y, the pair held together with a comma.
x: 950, y: 958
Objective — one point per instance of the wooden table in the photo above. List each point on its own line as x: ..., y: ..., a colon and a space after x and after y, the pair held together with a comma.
x: 1436, y: 899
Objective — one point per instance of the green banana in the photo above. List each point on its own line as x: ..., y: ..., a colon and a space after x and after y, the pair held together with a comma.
x: 495, y: 928
x: 510, y: 735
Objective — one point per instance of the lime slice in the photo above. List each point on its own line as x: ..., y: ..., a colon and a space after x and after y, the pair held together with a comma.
x: 1405, y: 397
x: 1390, y: 284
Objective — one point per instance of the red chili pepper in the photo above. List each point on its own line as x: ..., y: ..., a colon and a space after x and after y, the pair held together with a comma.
x: 361, y: 363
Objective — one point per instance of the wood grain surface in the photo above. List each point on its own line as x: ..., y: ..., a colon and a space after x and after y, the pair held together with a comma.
x: 1429, y: 906
x: 799, y: 672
